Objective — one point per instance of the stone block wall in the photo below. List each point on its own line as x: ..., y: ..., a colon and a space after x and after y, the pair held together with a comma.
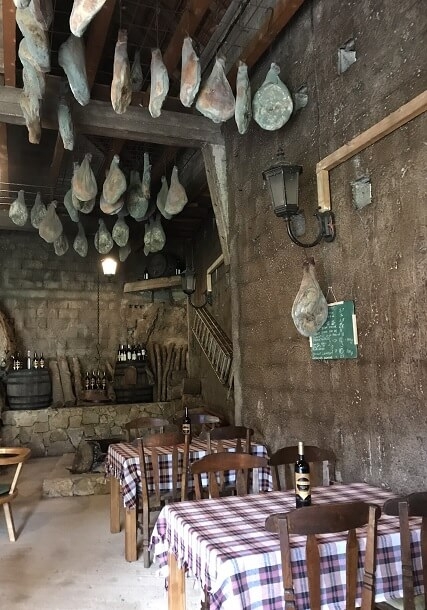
x: 49, y: 432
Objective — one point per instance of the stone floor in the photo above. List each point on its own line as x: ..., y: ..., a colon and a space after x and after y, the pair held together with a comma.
x: 65, y: 557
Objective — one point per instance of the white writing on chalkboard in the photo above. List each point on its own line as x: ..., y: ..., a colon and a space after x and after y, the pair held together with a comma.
x: 337, y: 338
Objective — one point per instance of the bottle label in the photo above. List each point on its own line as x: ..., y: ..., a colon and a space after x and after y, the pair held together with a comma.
x: 302, y: 485
x: 186, y: 429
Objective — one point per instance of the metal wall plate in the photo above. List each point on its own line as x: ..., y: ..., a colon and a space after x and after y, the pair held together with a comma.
x: 361, y: 190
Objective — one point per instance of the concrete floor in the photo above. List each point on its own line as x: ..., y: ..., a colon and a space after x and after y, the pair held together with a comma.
x: 66, y: 559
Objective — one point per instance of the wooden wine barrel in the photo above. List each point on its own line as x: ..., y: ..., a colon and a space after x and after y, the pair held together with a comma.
x: 131, y: 382
x: 29, y: 389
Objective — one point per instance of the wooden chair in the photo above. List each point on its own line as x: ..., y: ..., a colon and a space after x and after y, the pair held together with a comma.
x: 327, y: 519
x: 414, y: 505
x: 241, y: 434
x: 136, y: 428
x: 11, y: 456
x: 151, y: 448
x: 218, y: 463
x: 322, y: 466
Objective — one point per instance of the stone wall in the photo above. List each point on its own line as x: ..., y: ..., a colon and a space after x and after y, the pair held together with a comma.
x: 49, y: 432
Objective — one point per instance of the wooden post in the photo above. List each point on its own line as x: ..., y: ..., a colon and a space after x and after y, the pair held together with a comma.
x: 176, y: 588
x: 114, y: 505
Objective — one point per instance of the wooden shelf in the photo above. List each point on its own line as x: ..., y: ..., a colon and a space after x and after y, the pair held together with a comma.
x: 154, y: 284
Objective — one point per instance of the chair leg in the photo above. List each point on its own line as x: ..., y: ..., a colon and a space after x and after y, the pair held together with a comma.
x: 146, y: 537
x: 9, y: 522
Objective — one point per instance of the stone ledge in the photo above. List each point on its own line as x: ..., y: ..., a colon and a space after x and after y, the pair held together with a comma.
x: 61, y: 483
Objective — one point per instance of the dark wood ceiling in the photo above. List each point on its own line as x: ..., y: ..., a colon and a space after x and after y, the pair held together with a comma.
x: 236, y: 28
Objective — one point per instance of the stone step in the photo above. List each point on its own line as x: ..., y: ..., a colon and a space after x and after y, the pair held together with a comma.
x: 61, y: 483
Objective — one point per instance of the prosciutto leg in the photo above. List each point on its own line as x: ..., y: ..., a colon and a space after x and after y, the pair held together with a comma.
x: 82, y: 13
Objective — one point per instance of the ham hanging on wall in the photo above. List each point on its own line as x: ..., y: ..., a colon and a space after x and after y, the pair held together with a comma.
x: 243, y: 110
x: 216, y: 99
x: 121, y: 85
x: 310, y: 309
x: 82, y: 13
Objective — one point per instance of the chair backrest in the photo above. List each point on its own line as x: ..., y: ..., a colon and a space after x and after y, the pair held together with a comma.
x: 144, y: 425
x: 327, y: 519
x: 218, y: 463
x: 201, y: 421
x: 414, y: 505
x: 14, y: 456
x: 322, y: 466
x: 241, y: 434
x: 151, y: 448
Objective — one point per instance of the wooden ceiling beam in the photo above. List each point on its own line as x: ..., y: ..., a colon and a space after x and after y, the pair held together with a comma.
x: 98, y: 31
x: 99, y: 118
x: 9, y: 43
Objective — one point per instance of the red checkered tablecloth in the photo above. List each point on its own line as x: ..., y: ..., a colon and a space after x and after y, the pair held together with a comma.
x: 122, y: 462
x: 225, y: 545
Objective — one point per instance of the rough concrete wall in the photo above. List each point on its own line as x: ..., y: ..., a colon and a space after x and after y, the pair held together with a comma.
x: 53, y: 303
x: 372, y: 410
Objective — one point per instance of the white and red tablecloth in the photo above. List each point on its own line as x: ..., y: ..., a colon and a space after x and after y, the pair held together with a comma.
x: 224, y: 544
x: 122, y: 462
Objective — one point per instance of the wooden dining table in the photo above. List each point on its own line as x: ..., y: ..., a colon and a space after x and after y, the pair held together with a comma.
x: 122, y: 466
x: 224, y: 545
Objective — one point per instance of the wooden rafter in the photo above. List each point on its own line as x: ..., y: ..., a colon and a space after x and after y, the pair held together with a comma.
x: 99, y: 118
x: 98, y: 31
x: 190, y: 19
x: 9, y: 43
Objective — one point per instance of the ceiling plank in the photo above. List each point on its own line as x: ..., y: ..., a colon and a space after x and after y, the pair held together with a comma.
x: 99, y: 118
x: 98, y: 31
x: 281, y: 15
x: 190, y: 19
x: 9, y: 42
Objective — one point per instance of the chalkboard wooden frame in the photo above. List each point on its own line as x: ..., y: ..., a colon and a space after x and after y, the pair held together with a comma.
x: 337, y: 339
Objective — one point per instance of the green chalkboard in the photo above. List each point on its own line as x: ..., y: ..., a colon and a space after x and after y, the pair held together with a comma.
x: 337, y: 338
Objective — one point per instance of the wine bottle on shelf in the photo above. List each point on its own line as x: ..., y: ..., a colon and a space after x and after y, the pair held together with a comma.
x: 186, y: 423
x: 87, y: 381
x: 302, y: 479
x: 18, y: 362
x: 104, y: 381
x: 93, y: 381
x: 41, y: 361
x: 98, y: 380
x: 29, y: 359
x: 133, y: 352
x: 35, y: 361
x: 129, y: 353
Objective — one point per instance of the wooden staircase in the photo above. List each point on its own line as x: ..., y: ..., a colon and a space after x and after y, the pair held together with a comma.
x: 215, y: 344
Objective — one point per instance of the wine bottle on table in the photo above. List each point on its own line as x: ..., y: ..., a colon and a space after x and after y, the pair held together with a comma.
x: 186, y: 423
x: 302, y: 479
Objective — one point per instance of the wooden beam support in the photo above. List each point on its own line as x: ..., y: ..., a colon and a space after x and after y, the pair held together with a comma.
x: 99, y: 118
x: 393, y: 121
x: 153, y: 284
x: 9, y: 43
x: 215, y: 160
x: 98, y: 31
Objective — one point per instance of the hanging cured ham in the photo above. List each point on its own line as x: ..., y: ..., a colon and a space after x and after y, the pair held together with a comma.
x: 83, y: 181
x: 18, y: 212
x: 30, y: 106
x: 36, y: 38
x: 38, y: 211
x: 34, y: 80
x: 65, y: 124
x: 69, y: 206
x: 121, y: 86
x: 158, y: 238
x: 137, y: 204
x: 43, y: 12
x: 272, y: 104
x: 21, y: 3
x: 243, y: 110
x: 146, y: 177
x: 50, y: 227
x: 216, y: 99
x: 159, y: 86
x: 190, y: 73
x: 71, y: 57
x: 60, y: 245
x: 124, y: 252
x: 136, y: 75
x: 176, y: 197
x: 115, y: 182
x: 80, y: 244
x: 103, y: 240
x: 310, y: 309
x: 82, y: 13
x: 120, y: 232
x: 162, y: 197
x: 111, y: 208
x: 85, y: 207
